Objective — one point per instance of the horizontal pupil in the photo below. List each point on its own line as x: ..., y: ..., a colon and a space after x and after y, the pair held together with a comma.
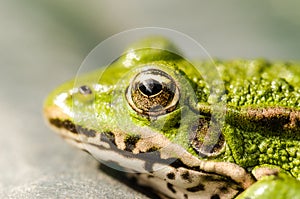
x: 150, y: 87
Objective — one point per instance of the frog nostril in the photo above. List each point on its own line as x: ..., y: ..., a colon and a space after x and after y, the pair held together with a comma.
x: 85, y: 90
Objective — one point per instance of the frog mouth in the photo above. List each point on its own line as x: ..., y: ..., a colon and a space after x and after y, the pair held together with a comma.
x: 167, y: 157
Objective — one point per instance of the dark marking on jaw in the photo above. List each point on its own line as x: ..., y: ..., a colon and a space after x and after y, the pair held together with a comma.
x: 215, y: 196
x: 186, y: 176
x: 185, y: 196
x: 150, y: 158
x: 152, y: 149
x: 67, y: 124
x: 213, y: 178
x: 109, y: 138
x: 177, y: 163
x: 171, y: 176
x: 224, y: 189
x: 86, y: 132
x: 71, y: 127
x: 171, y: 188
x: 199, y: 187
x: 130, y: 142
x: 154, y: 157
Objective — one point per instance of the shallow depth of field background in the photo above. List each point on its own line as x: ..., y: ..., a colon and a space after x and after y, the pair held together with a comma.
x: 43, y: 43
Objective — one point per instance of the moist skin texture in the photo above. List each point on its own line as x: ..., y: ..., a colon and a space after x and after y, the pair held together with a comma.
x: 199, y: 138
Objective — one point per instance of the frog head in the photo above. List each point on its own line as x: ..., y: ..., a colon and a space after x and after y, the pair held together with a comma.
x: 151, y: 86
x: 151, y: 111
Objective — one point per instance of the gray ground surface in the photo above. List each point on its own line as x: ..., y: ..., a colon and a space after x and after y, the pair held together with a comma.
x: 34, y: 161
x: 42, y: 44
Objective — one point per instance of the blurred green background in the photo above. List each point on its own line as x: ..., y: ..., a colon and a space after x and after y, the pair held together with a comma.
x: 43, y: 43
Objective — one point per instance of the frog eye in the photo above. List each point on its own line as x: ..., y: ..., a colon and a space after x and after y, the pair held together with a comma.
x: 153, y: 92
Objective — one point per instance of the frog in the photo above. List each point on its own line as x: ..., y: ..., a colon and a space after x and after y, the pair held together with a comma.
x: 165, y: 121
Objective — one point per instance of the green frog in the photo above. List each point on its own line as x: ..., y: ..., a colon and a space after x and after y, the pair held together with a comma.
x: 184, y: 130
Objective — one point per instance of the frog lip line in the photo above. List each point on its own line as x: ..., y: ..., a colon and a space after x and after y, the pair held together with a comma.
x: 149, y: 159
x: 225, y: 169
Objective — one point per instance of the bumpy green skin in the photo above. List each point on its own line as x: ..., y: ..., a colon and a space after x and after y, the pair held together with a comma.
x: 273, y: 187
x: 259, y: 83
x: 247, y: 83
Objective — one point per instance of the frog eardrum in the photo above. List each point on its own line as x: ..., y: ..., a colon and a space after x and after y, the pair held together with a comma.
x: 153, y: 92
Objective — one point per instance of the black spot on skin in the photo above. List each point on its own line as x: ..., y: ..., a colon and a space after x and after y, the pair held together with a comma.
x: 150, y: 176
x: 130, y: 142
x: 171, y: 188
x: 224, y: 189
x: 55, y: 122
x: 197, y: 188
x: 71, y: 127
x: 152, y: 149
x: 176, y: 163
x: 215, y: 196
x: 185, y: 196
x: 171, y: 176
x: 65, y: 124
x: 109, y: 138
x: 185, y: 175
x: 86, y: 132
